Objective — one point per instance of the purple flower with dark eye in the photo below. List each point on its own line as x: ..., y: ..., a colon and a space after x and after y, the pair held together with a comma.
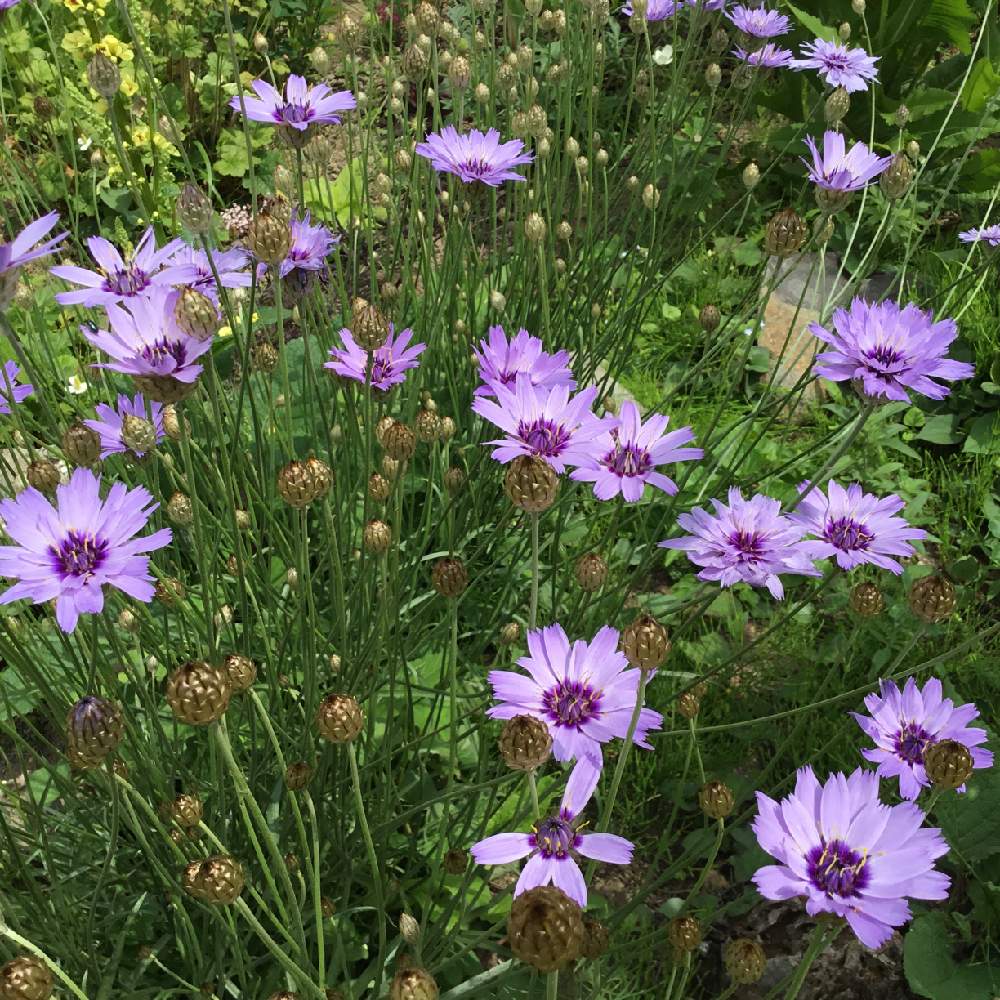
x: 838, y: 65
x: 301, y: 106
x: 985, y: 234
x: 70, y: 551
x: 889, y: 351
x: 230, y: 265
x: 656, y: 10
x: 310, y: 247
x: 769, y: 56
x: 22, y: 249
x: 118, y: 279
x: 748, y: 540
x: 475, y: 156
x: 544, y: 422
x: 855, y: 527
x: 382, y: 369
x: 110, y: 420
x: 840, y: 169
x: 759, y: 22
x: 555, y: 843
x: 500, y: 361
x: 584, y: 693
x: 624, y: 456
x: 848, y: 854
x: 904, y: 723
x: 11, y: 389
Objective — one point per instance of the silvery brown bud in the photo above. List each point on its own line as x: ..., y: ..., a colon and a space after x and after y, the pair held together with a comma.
x: 534, y: 227
x: 913, y: 150
x: 413, y: 984
x: 460, y: 73
x: 595, y: 938
x: 948, y: 764
x: 259, y: 43
x: 297, y: 776
x: 498, y: 301
x: 786, y: 232
x: 390, y: 468
x: 172, y: 423
x: 415, y: 62
x: 127, y: 621
x: 482, y: 93
x: 751, y: 176
x: 297, y: 485
x: 831, y: 201
x: 138, y: 434
x: 858, y: 6
x: 194, y: 209
x: 684, y: 933
x: 44, y: 108
x: 844, y: 31
x: 43, y: 475
x: 382, y: 426
x: 322, y: 476
x: 264, y: 356
x: 650, y: 197
x: 409, y: 928
x: 399, y: 441
x: 169, y: 591
x: 688, y: 705
x: 377, y: 537
x: 836, y: 107
x: 217, y: 880
x: 867, y: 600
x: 716, y: 799
x: 186, y: 811
x: 94, y: 728
x: 455, y: 861
x: 449, y: 577
x: 932, y: 599
x: 242, y: 672
x: 428, y: 426
x: 564, y: 231
x: 370, y: 328
x: 525, y: 743
x: 103, y: 75
x: 713, y: 75
x: 591, y: 571
x: 448, y: 428
x: 709, y: 318
x: 81, y: 445
x: 545, y: 928
x: 196, y: 314
x: 269, y: 237
x: 644, y: 643
x: 339, y: 718
x: 510, y: 633
x: 744, y: 960
x: 379, y: 488
x: 282, y: 995
x: 719, y: 41
x: 180, y: 510
x: 163, y: 388
x: 198, y: 693
x: 902, y: 116
x: 531, y: 484
x: 25, y: 978
x: 897, y: 177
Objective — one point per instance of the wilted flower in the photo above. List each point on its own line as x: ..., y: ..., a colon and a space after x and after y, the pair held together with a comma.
x: 109, y: 422
x: 556, y: 841
x: 769, y: 56
x: 585, y: 692
x: 748, y: 540
x: 231, y: 265
x: 19, y: 251
x: 903, y: 724
x: 9, y: 384
x: 985, y: 234
x: 759, y: 22
x: 70, y: 551
x: 476, y: 156
x: 848, y: 854
x: 500, y: 361
x: 838, y: 65
x: 839, y: 169
x: 383, y: 368
x: 890, y: 351
x: 301, y: 106
x: 310, y: 246
x: 855, y: 527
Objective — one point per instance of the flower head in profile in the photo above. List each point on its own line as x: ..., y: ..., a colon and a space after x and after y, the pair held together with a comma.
x: 624, y: 456
x: 889, y: 351
x: 769, y: 56
x: 745, y: 540
x: 7, y: 4
x: 838, y: 65
x: 656, y: 10
x: 300, y: 107
x: 22, y: 249
x: 500, y: 361
x: 556, y: 842
x: 310, y: 246
x: 545, y: 422
x: 109, y: 423
x: 840, y: 169
x: 383, y: 368
x: 985, y: 234
x: 12, y: 390
x: 585, y: 692
x: 232, y: 267
x: 855, y: 527
x: 848, y: 854
x: 759, y: 22
x: 475, y: 156
x: 120, y: 279
x: 902, y: 724
x: 72, y: 550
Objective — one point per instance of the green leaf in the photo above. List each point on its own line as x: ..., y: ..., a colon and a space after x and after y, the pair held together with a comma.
x: 814, y: 24
x: 980, y: 88
x: 930, y: 969
x: 969, y: 820
x: 941, y: 429
x: 953, y: 19
x: 984, y: 435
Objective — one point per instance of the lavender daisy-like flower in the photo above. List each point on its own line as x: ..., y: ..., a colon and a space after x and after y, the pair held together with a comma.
x: 7, y: 4
x: 904, y: 723
x: 11, y: 390
x: 624, y: 456
x: 110, y: 420
x: 838, y: 65
x: 22, y: 249
x: 759, y: 22
x: 545, y: 422
x: 889, y: 351
x: 475, y: 156
x: 383, y: 368
x: 231, y: 265
x: 656, y: 10
x: 855, y: 527
x: 585, y: 692
x: 310, y: 246
x: 848, y: 854
x: 70, y: 551
x: 985, y: 234
x: 769, y: 56
x: 555, y: 843
x: 301, y: 106
x: 840, y: 169
x: 747, y: 540
x: 145, y: 340
x: 500, y: 361
x: 118, y: 279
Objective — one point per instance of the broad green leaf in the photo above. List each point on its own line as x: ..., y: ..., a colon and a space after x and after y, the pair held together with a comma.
x: 984, y: 435
x: 814, y: 24
x: 941, y: 429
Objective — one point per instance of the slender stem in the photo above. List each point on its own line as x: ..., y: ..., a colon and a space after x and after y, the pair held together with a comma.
x: 640, y: 695
x: 302, y: 978
x: 819, y: 940
x: 709, y: 861
x: 453, y: 693
x: 533, y: 788
x: 552, y: 985
x: 533, y: 607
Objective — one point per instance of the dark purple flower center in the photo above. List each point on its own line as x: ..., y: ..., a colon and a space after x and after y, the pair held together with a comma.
x: 295, y: 114
x: 845, y: 533
x: 911, y: 741
x: 382, y: 368
x: 478, y: 167
x: 628, y: 460
x: 162, y: 349
x: 128, y: 281
x: 749, y: 544
x: 572, y: 703
x: 885, y: 355
x: 79, y: 554
x: 837, y: 869
x: 543, y: 437
x: 554, y: 837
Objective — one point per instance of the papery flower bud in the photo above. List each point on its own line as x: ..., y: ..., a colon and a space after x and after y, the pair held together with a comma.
x: 390, y: 468
x: 127, y: 621
x: 379, y: 488
x: 455, y: 861
x: 185, y: 810
x: 43, y: 475
x: 913, y: 150
x: 269, y: 237
x: 844, y: 31
x: 545, y: 928
x: 836, y: 107
x: 297, y: 485
x: 399, y: 441
x: 415, y: 62
x: 198, y: 693
x: 322, y: 476
x: 169, y: 591
x: 510, y: 633
x: 744, y: 960
x: 409, y: 928
x: 25, y: 978
x: 81, y: 445
x: 948, y: 764
x: 196, y: 314
x: 339, y: 718
x: 179, y: 510
x: 895, y: 180
x: 858, y: 6
x: 531, y: 484
x: 413, y: 983
x: 497, y: 301
x: 716, y: 799
x: 534, y: 227
x: 595, y: 938
x: 751, y: 176
x: 688, y: 704
x: 94, y: 728
x: 902, y: 116
x: 242, y: 671
x: 172, y: 423
x: 138, y: 434
x: 591, y: 571
x: 867, y: 600
x: 377, y: 537
x: 369, y: 327
x: 264, y: 356
x: 449, y: 577
x: 713, y: 75
x: 427, y: 426
x: 786, y: 232
x: 194, y: 209
x: 645, y: 643
x: 217, y: 880
x: 932, y: 599
x: 103, y: 75
x: 460, y: 73
x: 525, y: 743
x: 297, y: 776
x: 448, y: 428
x: 684, y: 933
x: 709, y: 318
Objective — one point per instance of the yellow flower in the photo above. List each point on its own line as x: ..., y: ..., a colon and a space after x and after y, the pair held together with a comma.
x: 114, y: 49
x: 77, y: 43
x: 225, y: 331
x: 74, y: 5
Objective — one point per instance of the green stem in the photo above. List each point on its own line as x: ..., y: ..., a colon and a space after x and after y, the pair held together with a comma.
x: 640, y: 695
x: 27, y: 945
x: 533, y: 607
x: 817, y: 943
x: 283, y: 960
x: 552, y: 985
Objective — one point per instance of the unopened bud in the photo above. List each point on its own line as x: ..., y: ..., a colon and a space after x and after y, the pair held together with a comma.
x: 138, y: 434
x: 896, y: 178
x: 194, y: 209
x: 103, y: 75
x: 713, y: 75
x: 751, y: 176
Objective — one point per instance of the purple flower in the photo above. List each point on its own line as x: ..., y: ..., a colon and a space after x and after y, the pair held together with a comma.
x: 475, y: 156
x: 770, y: 56
x: 544, y: 422
x: 760, y: 22
x: 19, y: 391
x: 109, y: 423
x: 904, y: 723
x: 584, y: 693
x: 382, y: 369
x: 623, y: 457
x: 231, y: 265
x: 145, y: 339
x: 556, y: 842
x: 708, y: 4
x: 7, y: 4
x: 838, y: 65
x: 889, y: 350
x: 839, y: 169
x: 855, y: 526
x: 311, y: 245
x: 500, y: 361
x: 118, y: 279
x: 656, y: 10
x: 748, y: 540
x: 19, y: 251
x: 70, y: 551
x: 848, y: 854
x: 988, y: 234
x: 301, y: 106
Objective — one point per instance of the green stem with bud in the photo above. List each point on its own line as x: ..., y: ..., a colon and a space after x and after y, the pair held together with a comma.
x: 29, y: 946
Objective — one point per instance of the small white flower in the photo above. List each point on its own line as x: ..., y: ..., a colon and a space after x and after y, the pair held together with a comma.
x: 76, y: 386
x: 84, y: 143
x: 664, y: 56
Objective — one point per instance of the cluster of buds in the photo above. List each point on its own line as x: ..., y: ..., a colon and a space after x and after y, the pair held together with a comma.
x: 94, y: 728
x: 301, y: 483
x: 218, y: 879
x: 198, y: 693
x: 339, y: 718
